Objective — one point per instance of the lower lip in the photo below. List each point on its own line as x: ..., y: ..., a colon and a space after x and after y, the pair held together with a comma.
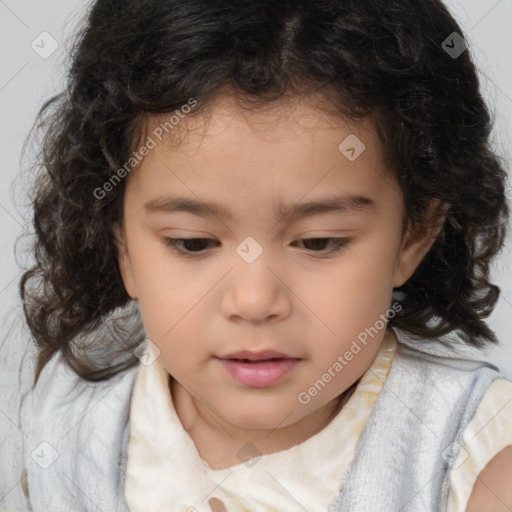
x: 258, y: 374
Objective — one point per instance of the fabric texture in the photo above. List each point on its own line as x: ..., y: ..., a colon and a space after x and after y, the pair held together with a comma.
x: 488, y: 432
x: 414, y: 433
x: 160, y: 450
x: 76, y: 433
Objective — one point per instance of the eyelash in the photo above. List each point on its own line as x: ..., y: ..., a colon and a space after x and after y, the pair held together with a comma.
x: 173, y: 244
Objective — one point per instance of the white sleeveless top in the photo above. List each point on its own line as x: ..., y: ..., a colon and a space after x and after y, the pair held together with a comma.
x: 165, y: 472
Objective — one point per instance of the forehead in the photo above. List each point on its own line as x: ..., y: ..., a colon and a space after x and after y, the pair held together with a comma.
x: 271, y: 122
x: 289, y: 148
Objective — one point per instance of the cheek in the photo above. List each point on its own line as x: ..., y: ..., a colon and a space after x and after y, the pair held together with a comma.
x: 169, y: 294
x: 168, y: 311
x: 353, y: 292
x: 346, y: 296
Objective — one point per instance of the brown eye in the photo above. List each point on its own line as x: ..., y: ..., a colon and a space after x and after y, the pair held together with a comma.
x: 319, y: 244
x: 195, y: 247
x: 187, y: 246
x: 316, y: 244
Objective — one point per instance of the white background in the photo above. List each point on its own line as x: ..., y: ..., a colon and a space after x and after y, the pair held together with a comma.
x: 27, y: 80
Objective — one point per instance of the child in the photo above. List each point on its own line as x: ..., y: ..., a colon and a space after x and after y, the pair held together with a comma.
x: 264, y: 232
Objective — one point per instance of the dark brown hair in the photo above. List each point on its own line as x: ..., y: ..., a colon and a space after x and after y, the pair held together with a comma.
x: 370, y: 57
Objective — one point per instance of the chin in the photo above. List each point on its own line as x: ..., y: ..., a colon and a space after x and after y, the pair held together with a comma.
x: 258, y: 418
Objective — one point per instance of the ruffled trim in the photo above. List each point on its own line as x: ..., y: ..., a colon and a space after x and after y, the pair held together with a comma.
x: 158, y: 436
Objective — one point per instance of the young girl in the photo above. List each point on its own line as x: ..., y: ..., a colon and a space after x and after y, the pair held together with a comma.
x: 264, y: 232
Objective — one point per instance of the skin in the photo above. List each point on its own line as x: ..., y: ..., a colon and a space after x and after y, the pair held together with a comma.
x: 492, y: 491
x: 294, y: 297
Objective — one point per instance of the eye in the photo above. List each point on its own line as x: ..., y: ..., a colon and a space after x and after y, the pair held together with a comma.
x: 318, y: 244
x: 191, y: 245
x: 194, y: 247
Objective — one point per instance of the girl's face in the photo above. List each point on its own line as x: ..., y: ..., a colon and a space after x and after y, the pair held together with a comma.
x: 260, y: 188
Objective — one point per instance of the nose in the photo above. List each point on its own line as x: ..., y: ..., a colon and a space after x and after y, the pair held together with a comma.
x: 256, y: 293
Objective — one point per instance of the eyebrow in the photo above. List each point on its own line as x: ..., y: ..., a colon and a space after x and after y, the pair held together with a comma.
x: 334, y: 204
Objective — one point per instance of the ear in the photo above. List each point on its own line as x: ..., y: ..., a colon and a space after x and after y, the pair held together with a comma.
x: 417, y: 242
x: 124, y: 261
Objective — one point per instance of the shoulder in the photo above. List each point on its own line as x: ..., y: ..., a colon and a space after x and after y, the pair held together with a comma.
x: 482, y: 474
x: 69, y: 423
x: 492, y: 491
x: 62, y: 401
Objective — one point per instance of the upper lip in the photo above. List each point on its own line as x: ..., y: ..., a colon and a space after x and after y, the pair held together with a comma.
x: 257, y: 356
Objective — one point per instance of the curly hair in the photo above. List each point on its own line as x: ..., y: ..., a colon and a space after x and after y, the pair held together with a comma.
x: 379, y: 58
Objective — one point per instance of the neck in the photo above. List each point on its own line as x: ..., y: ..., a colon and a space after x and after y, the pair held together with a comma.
x: 218, y: 441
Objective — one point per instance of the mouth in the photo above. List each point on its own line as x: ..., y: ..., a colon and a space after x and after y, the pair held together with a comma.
x: 258, y: 372
x: 263, y: 355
